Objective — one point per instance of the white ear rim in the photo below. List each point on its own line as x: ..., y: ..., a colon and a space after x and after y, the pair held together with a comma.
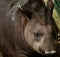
x: 53, y: 1
x: 47, y: 0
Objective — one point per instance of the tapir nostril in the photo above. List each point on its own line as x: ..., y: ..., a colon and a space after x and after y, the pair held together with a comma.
x: 50, y: 52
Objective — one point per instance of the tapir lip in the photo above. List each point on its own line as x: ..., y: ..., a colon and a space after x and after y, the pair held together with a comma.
x: 48, y: 52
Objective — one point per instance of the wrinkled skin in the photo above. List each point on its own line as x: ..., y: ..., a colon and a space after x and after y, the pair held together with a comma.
x: 28, y: 31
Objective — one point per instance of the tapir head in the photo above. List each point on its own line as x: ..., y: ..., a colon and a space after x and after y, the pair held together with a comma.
x: 40, y: 31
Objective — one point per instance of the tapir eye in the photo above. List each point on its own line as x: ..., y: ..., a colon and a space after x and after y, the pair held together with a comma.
x: 38, y: 34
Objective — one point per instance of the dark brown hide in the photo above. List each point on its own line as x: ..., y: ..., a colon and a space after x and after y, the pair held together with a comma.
x: 13, y: 20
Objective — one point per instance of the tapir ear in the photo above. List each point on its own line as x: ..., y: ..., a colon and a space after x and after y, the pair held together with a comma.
x: 28, y: 8
x: 50, y: 6
x: 26, y: 12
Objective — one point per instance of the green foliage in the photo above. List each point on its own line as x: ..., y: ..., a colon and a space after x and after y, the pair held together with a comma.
x: 57, y: 6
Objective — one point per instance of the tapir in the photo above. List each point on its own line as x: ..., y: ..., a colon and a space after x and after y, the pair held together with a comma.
x: 27, y: 29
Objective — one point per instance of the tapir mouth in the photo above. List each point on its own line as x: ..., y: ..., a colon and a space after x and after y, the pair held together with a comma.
x: 48, y: 52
